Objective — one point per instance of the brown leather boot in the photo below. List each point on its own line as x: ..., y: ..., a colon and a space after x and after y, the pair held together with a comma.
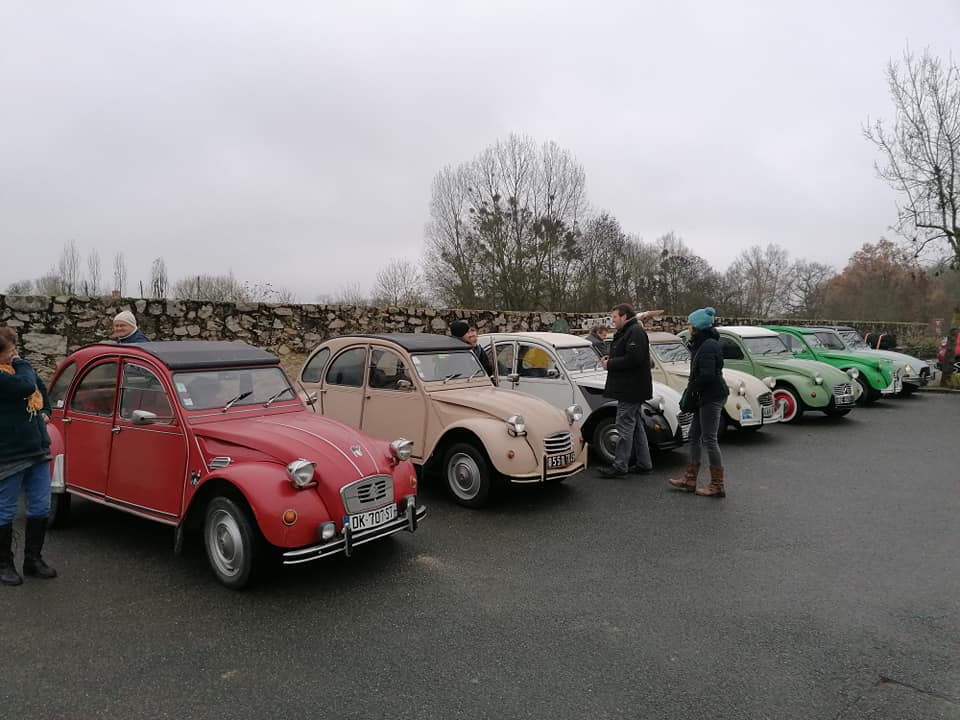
x: 688, y: 483
x: 715, y: 488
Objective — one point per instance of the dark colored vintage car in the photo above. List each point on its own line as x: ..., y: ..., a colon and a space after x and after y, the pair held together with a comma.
x: 211, y: 436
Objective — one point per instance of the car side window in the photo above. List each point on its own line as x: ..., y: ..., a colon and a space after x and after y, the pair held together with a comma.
x: 141, y: 389
x: 387, y: 370
x: 97, y: 392
x: 347, y: 368
x: 791, y: 342
x: 533, y: 361
x: 504, y: 358
x: 313, y: 372
x: 58, y: 391
x: 731, y: 350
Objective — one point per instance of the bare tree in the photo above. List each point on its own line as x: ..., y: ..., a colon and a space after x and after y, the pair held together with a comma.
x: 762, y: 276
x: 68, y: 268
x: 920, y: 157
x: 120, y: 273
x: 399, y: 283
x: 158, y: 278
x: 349, y: 294
x: 93, y: 282
x: 20, y: 287
x: 808, y: 288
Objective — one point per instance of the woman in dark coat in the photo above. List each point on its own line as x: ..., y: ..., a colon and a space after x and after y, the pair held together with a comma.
x: 24, y: 460
x: 707, y: 386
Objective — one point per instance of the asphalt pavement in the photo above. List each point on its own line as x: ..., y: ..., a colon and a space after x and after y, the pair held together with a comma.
x: 825, y: 586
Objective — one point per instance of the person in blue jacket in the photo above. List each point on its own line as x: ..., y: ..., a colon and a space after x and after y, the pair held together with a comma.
x: 24, y: 461
x: 125, y: 329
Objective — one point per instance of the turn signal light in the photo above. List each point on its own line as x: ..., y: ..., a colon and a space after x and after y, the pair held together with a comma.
x: 289, y: 517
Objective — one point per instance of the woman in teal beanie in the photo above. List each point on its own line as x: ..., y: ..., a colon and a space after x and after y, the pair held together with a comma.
x: 707, y: 386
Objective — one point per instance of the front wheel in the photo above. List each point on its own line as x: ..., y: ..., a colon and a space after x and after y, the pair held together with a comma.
x: 468, y: 475
x: 792, y: 407
x: 605, y: 437
x: 867, y: 393
x: 232, y: 542
x: 909, y: 389
x: 836, y: 412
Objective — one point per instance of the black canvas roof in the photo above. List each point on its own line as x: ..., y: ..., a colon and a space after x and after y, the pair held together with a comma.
x: 421, y: 342
x: 180, y: 355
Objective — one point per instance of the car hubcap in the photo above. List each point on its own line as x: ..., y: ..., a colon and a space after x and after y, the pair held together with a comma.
x: 608, y: 442
x: 225, y: 543
x: 464, y: 475
x: 789, y: 404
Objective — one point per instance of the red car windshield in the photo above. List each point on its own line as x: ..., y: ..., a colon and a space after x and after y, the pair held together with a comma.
x: 207, y: 389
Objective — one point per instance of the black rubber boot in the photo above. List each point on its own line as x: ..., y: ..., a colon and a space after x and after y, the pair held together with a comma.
x: 8, y: 571
x: 33, y: 564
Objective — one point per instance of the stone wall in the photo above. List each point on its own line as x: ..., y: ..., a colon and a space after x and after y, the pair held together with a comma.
x: 52, y: 327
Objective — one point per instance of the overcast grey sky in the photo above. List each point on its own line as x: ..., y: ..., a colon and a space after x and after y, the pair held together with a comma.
x: 295, y: 141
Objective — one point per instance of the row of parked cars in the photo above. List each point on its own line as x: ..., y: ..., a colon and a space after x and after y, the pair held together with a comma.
x: 215, y: 440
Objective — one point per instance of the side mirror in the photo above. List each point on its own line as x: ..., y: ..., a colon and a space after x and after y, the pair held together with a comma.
x: 553, y: 373
x: 311, y: 399
x: 404, y: 385
x: 143, y: 417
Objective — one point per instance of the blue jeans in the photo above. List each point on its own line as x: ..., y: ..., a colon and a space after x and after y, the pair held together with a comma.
x: 703, y: 433
x: 632, y: 447
x: 35, y: 483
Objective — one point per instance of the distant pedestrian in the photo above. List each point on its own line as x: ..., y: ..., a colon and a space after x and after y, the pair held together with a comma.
x: 598, y: 337
x: 125, y: 329
x: 630, y: 383
x: 709, y: 392
x: 24, y: 461
x: 468, y: 333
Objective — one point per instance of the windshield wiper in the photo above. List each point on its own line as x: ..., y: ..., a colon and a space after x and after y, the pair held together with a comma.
x: 481, y: 370
x: 237, y: 399
x: 275, y: 396
x: 450, y: 377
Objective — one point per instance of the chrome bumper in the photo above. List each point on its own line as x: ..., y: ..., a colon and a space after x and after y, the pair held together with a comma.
x: 349, y: 539
x: 894, y: 387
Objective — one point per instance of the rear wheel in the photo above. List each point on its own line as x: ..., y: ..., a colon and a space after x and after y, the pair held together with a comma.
x: 792, y: 407
x: 605, y: 437
x: 233, y: 543
x: 468, y: 474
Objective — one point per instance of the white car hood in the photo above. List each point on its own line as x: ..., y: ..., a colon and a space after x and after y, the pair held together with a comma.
x: 671, y: 398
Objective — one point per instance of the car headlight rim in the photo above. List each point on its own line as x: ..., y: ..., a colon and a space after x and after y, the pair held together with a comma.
x: 818, y: 380
x: 574, y: 413
x: 770, y: 382
x: 401, y: 449
x: 516, y: 426
x: 300, y: 472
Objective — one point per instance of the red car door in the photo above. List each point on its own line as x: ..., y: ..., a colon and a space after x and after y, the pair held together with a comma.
x: 149, y: 452
x: 87, y: 426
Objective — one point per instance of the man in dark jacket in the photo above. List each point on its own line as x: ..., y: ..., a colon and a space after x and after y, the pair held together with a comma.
x: 125, y: 329
x: 468, y: 333
x: 630, y: 383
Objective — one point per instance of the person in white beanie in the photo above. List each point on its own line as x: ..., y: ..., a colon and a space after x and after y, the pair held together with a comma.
x: 125, y: 329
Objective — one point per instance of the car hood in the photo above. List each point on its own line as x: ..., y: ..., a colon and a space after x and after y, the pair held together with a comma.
x: 502, y: 403
x: 900, y: 358
x: 288, y: 436
x: 808, y: 368
x: 854, y: 356
x: 671, y: 397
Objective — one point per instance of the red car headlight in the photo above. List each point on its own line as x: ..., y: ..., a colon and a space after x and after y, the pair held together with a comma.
x: 300, y: 473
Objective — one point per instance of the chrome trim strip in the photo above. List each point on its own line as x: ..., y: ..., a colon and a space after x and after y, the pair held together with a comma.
x: 86, y: 495
x: 125, y: 504
x: 316, y: 552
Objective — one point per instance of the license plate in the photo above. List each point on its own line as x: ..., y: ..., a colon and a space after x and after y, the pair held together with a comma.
x: 844, y: 400
x: 373, y: 518
x: 767, y: 411
x: 746, y: 413
x: 559, y: 461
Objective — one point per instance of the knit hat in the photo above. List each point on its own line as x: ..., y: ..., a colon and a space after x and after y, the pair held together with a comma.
x: 126, y: 317
x: 702, y: 319
x: 459, y: 328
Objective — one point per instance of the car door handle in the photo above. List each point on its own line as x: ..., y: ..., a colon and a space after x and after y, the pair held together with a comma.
x: 67, y: 420
x: 115, y: 430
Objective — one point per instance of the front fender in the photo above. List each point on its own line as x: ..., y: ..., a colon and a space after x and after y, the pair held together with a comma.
x: 269, y: 494
x: 497, y: 443
x: 809, y: 393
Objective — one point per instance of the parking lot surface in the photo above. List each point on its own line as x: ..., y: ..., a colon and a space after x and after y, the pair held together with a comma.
x: 826, y: 585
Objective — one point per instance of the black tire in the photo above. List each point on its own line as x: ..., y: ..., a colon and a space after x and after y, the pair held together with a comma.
x: 59, y: 514
x: 794, y: 408
x: 234, y: 545
x: 868, y: 394
x: 909, y: 389
x: 467, y: 474
x: 604, y: 439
